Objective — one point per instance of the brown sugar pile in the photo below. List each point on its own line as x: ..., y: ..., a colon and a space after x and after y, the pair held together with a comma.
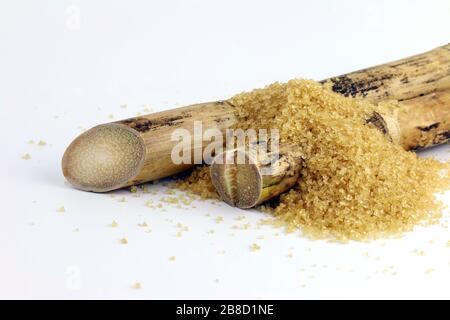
x: 355, y: 184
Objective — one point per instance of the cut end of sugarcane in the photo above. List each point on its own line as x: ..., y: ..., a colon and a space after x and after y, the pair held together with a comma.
x: 104, y: 158
x: 239, y: 185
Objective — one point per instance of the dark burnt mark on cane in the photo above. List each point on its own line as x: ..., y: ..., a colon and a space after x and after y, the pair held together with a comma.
x: 405, y: 62
x: 431, y: 137
x: 429, y: 128
x: 223, y: 103
x: 430, y: 94
x: 222, y: 120
x: 143, y: 124
x: 404, y: 80
x: 417, y: 62
x: 186, y: 114
x: 440, y: 76
x: 378, y: 122
x: 445, y: 135
x: 359, y: 87
x: 230, y: 104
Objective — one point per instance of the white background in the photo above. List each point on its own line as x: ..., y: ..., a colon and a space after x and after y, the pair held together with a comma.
x: 68, y: 65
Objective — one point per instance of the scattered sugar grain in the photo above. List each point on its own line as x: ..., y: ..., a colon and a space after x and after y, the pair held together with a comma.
x: 218, y: 219
x: 136, y: 286
x: 254, y: 247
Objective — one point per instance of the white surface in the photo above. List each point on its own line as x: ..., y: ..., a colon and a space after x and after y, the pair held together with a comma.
x: 59, y: 73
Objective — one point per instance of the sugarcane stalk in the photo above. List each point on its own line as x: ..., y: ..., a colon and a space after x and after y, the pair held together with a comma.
x: 259, y: 177
x: 137, y: 150
x: 398, y: 80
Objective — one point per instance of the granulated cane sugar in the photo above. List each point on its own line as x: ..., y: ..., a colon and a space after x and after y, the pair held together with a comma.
x: 355, y: 184
x: 199, y: 183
